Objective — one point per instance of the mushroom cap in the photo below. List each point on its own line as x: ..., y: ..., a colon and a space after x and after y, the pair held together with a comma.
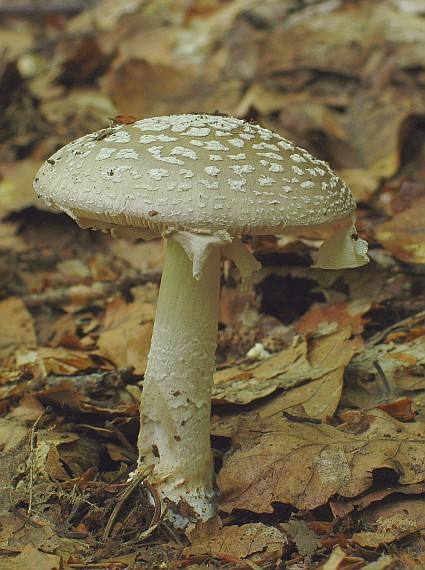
x: 193, y: 172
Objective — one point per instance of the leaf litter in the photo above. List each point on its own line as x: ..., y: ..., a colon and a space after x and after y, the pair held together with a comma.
x: 319, y: 396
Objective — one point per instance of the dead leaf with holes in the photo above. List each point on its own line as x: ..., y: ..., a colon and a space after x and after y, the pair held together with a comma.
x: 303, y: 464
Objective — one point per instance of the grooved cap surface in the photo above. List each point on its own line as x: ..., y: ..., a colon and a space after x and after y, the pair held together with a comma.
x: 193, y: 172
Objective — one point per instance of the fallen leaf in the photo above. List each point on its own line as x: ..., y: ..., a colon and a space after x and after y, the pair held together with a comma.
x: 249, y: 381
x: 342, y: 508
x: 238, y: 541
x: 306, y: 540
x: 374, y: 121
x: 362, y: 182
x: 405, y: 196
x: 27, y: 411
x: 276, y: 460
x: 20, y: 328
x: 341, y: 313
x: 16, y: 190
x: 400, y: 409
x: 126, y: 333
x: 146, y: 256
x: 391, y: 521
x: 371, y: 392
x: 404, y: 235
x: 31, y: 557
x: 311, y: 375
x: 11, y: 433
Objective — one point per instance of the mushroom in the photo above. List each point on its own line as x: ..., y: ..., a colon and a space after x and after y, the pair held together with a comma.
x: 201, y: 181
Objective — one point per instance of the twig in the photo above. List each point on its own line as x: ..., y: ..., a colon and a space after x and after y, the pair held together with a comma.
x: 418, y: 317
x: 33, y: 447
x: 158, y: 512
x: 129, y: 490
x: 382, y: 376
x: 301, y: 419
x: 101, y: 565
x: 86, y: 293
x: 120, y: 436
x: 24, y: 518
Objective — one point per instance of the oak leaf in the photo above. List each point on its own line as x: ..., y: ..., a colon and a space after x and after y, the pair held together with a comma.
x: 276, y: 460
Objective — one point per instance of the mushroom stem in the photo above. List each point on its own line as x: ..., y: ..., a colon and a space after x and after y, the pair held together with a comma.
x: 176, y: 400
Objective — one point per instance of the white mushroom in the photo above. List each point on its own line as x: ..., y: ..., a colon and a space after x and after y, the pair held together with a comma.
x: 200, y: 181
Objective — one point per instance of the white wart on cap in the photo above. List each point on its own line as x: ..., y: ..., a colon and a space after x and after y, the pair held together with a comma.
x: 200, y: 173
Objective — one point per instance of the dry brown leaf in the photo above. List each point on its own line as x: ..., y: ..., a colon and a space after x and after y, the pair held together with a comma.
x: 146, y: 256
x: 11, y: 433
x: 373, y: 126
x: 404, y: 235
x: 30, y: 558
x: 17, y: 534
x: 392, y: 520
x: 16, y: 190
x: 233, y: 303
x: 342, y: 508
x: 362, y: 182
x: 341, y: 313
x: 86, y: 108
x: 16, y: 39
x: 237, y: 541
x: 311, y: 374
x: 11, y: 241
x: 276, y: 460
x: 27, y: 411
x: 319, y: 397
x: 20, y: 328
x: 60, y: 329
x: 392, y: 360
x: 410, y: 377
x: 335, y: 559
x: 405, y: 194
x: 306, y: 540
x: 126, y: 334
x: 140, y: 88
x: 340, y: 560
x: 61, y: 361
x: 42, y: 361
x: 249, y: 381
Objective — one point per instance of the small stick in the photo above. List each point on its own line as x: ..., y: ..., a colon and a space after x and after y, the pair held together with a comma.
x: 120, y: 436
x: 24, y: 518
x: 33, y: 447
x: 301, y: 419
x: 158, y: 512
x: 131, y: 487
x: 382, y: 376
